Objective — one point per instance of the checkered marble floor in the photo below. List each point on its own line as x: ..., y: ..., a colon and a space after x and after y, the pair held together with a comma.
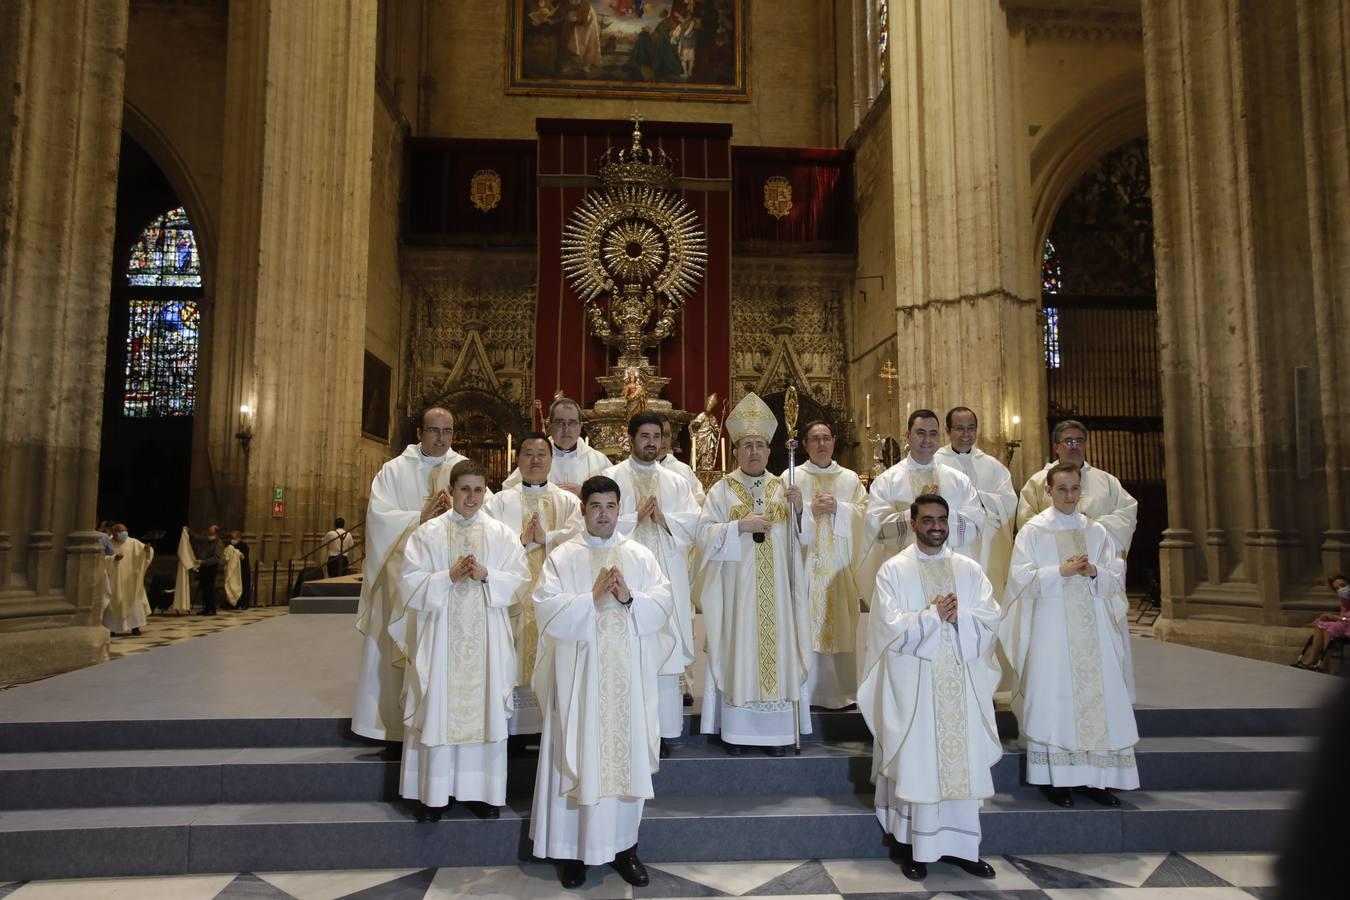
x: 165, y: 629
x: 1189, y: 876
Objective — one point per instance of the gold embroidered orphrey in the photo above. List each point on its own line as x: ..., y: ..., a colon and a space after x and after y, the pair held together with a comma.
x: 466, y: 713
x: 766, y: 584
x: 950, y: 718
x: 485, y: 190
x: 778, y: 196
x: 1085, y: 663
x: 616, y: 716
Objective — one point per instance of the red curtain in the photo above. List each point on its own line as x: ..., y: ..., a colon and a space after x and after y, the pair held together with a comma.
x: 821, y: 219
x: 440, y: 209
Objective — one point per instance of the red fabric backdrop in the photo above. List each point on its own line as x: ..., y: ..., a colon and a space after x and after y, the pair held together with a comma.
x: 439, y: 207
x: 697, y: 358
x: 822, y: 219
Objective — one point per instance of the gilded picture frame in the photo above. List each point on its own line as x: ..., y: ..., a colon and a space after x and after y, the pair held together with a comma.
x: 658, y: 49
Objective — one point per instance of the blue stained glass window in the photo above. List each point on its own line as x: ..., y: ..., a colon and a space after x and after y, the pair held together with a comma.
x: 162, y: 338
x: 1051, y: 276
x: 1051, y: 337
x: 165, y: 255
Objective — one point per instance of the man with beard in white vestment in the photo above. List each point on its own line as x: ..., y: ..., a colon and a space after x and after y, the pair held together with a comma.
x: 402, y: 496
x: 832, y: 530
x: 1065, y: 631
x: 928, y: 697
x: 758, y: 628
x: 574, y: 460
x: 667, y: 460
x: 658, y: 510
x: 127, y: 605
x: 547, y: 516
x: 604, y: 611
x: 993, y: 485
x: 461, y: 572
x: 1104, y: 500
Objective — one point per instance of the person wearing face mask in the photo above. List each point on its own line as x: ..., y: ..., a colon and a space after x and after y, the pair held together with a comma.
x: 1065, y: 632
x: 127, y: 604
x: 1328, y: 627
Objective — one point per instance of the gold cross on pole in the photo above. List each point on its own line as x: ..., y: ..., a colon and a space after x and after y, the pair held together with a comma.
x: 890, y: 375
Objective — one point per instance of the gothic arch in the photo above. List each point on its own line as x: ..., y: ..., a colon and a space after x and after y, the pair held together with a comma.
x: 1101, y: 121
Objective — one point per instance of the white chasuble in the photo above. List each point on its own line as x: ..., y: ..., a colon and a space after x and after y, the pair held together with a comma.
x: 927, y: 695
x: 400, y: 489
x: 993, y: 485
x: 1066, y: 640
x: 461, y: 663
x: 569, y: 466
x: 1103, y: 500
x: 128, y: 606
x: 234, y: 576
x: 894, y: 490
x: 597, y: 683
x: 187, y: 564
x: 682, y: 468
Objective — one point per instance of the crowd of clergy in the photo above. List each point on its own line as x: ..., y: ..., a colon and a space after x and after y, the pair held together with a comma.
x: 563, y: 607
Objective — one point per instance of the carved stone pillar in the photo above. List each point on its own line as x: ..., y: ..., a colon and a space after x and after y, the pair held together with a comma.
x: 288, y: 325
x: 1252, y: 241
x: 964, y: 274
x: 63, y: 67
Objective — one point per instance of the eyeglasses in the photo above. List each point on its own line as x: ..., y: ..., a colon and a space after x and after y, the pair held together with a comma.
x: 1073, y: 442
x: 439, y: 432
x: 567, y: 423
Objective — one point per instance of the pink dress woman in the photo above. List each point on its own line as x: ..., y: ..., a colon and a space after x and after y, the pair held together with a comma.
x: 1340, y: 627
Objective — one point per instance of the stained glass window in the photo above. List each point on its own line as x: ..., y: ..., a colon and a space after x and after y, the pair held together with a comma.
x: 1051, y: 337
x: 165, y: 255
x: 161, y: 358
x: 1051, y: 276
x: 883, y: 39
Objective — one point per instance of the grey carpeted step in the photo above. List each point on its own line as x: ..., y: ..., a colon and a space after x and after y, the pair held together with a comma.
x: 323, y: 605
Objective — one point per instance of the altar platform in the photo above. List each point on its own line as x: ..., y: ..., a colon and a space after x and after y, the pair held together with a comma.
x: 230, y: 753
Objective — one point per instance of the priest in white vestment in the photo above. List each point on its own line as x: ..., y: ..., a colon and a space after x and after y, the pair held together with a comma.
x: 1065, y: 631
x: 462, y: 571
x: 234, y: 574
x: 604, y: 612
x: 993, y: 485
x: 182, y: 585
x: 832, y: 541
x: 751, y: 590
x: 127, y: 604
x: 928, y: 697
x: 546, y: 517
x: 402, y: 496
x: 668, y: 461
x: 658, y: 510
x: 574, y: 460
x: 1104, y: 500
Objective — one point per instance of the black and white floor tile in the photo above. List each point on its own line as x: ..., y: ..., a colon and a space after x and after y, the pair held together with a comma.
x: 164, y: 629
x: 1156, y: 876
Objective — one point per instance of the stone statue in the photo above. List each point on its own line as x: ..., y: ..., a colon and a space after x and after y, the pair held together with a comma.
x: 704, y: 431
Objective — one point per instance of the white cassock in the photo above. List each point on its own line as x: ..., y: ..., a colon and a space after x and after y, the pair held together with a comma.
x: 461, y: 661
x: 1103, y: 500
x: 1065, y: 639
x: 127, y: 605
x: 234, y: 579
x: 569, y: 466
x: 597, y: 681
x: 928, y: 697
x: 993, y: 485
x: 560, y: 514
x: 187, y: 564
x: 672, y: 548
x: 401, y: 488
x: 832, y: 545
x: 758, y: 629
x: 671, y: 464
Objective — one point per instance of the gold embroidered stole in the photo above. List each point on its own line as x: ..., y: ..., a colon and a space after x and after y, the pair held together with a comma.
x: 823, y: 636
x: 615, y: 674
x: 466, y: 621
x: 527, y: 629
x: 949, y: 691
x: 919, y: 480
x: 647, y: 533
x: 1085, y: 658
x: 766, y: 581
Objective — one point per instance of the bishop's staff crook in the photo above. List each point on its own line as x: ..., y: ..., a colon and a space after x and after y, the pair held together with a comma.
x: 790, y: 410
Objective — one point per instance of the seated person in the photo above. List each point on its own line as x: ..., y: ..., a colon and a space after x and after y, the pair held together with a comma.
x: 1328, y: 627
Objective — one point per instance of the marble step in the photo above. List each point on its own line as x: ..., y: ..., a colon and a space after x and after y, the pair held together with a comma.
x: 828, y: 726
x: 330, y: 774
x: 163, y: 840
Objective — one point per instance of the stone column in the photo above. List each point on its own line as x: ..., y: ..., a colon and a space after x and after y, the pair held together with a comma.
x: 965, y: 286
x: 1251, y: 241
x: 288, y: 325
x: 63, y: 67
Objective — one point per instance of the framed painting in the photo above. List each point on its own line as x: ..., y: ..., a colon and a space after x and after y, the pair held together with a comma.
x: 662, y: 49
x: 376, y: 385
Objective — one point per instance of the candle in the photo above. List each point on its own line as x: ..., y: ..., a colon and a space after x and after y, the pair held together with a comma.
x: 693, y: 453
x: 1016, y: 428
x: 868, y: 420
x: 724, y: 454
x: 508, y: 449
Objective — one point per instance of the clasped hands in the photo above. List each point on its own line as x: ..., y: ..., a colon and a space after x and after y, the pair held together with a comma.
x: 946, y: 607
x: 533, y: 532
x: 611, y: 581
x: 651, y: 509
x: 436, y: 504
x: 468, y: 567
x: 1078, y: 565
x: 823, y: 505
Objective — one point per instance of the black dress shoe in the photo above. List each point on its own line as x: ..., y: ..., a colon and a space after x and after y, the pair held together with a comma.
x: 136, y: 632
x: 734, y: 749
x: 1102, y: 796
x: 572, y: 874
x: 428, y: 814
x: 977, y: 867
x: 665, y: 749
x: 688, y: 699
x: 484, y: 810
x: 1058, y: 796
x: 630, y: 868
x: 776, y: 751
x: 914, y: 871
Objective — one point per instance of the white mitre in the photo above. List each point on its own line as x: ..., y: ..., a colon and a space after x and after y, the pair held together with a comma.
x: 751, y: 418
